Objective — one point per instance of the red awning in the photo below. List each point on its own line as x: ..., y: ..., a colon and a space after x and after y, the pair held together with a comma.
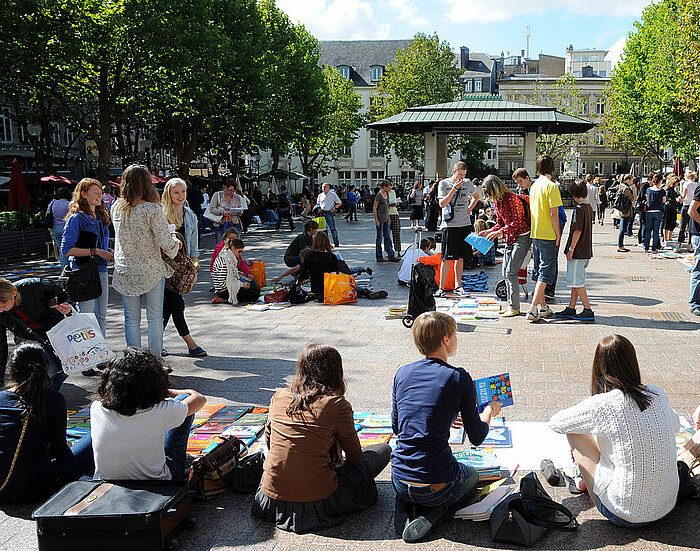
x: 56, y: 179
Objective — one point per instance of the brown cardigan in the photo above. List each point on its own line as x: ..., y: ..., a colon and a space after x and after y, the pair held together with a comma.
x: 305, y: 449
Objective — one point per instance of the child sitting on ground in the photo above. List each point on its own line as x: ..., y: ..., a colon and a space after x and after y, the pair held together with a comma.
x: 488, y: 259
x: 410, y: 257
x: 230, y: 285
x: 427, y: 396
x: 579, y: 251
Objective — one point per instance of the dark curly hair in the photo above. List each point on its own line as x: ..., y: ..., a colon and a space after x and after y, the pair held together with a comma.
x: 135, y: 380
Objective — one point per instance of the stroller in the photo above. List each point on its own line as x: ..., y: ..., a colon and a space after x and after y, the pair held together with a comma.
x: 421, y: 287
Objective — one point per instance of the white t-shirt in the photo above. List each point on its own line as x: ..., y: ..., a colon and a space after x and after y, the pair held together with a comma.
x: 690, y: 188
x: 133, y: 447
x: 410, y: 257
x: 205, y: 204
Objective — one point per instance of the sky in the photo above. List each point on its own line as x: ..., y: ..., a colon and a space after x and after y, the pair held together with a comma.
x: 489, y: 26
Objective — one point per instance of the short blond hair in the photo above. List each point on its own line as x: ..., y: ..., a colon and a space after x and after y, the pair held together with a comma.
x: 430, y: 328
x: 692, y: 175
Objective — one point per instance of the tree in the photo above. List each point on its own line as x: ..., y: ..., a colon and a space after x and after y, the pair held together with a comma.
x: 689, y: 65
x: 330, y: 121
x: 425, y: 73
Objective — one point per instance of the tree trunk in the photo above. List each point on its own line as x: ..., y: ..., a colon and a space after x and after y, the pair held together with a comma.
x: 185, y: 144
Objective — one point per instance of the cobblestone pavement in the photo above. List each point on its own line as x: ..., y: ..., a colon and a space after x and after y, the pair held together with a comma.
x: 253, y: 353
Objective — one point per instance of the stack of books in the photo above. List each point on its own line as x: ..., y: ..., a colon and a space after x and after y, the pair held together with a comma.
x: 482, y: 509
x: 395, y: 311
x: 481, y: 308
x: 484, y: 460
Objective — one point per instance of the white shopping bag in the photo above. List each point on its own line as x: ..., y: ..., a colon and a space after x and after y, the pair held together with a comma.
x: 79, y: 343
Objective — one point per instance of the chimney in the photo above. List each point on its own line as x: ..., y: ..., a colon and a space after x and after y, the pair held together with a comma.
x: 463, y: 57
x: 586, y: 71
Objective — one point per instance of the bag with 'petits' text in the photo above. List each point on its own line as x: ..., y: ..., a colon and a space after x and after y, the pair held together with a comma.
x: 79, y: 343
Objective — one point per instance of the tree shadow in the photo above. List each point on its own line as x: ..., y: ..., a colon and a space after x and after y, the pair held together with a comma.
x: 621, y: 299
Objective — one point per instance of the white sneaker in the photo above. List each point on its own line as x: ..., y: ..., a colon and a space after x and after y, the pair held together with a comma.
x: 460, y: 292
x: 545, y: 312
x: 440, y: 293
x: 533, y: 316
x: 510, y: 312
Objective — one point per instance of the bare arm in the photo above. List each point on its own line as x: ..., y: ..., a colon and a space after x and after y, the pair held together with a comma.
x: 374, y: 210
x: 693, y: 211
x: 554, y: 216
x: 195, y: 401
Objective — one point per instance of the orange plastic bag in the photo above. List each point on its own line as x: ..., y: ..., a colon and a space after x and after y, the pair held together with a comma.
x: 338, y: 288
x: 436, y: 262
x: 257, y: 270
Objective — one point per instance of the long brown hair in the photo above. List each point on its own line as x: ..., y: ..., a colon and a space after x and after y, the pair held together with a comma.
x: 80, y: 204
x: 321, y: 242
x: 319, y: 371
x: 615, y: 366
x: 136, y: 184
x: 29, y: 378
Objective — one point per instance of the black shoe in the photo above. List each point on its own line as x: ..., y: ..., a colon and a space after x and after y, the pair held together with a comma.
x: 168, y: 369
x: 91, y: 372
x: 551, y: 473
x: 419, y: 527
x: 368, y: 270
x: 566, y: 313
x: 585, y: 315
x: 378, y: 294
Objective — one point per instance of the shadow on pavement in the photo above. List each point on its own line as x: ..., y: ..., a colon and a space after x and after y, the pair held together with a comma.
x: 634, y: 301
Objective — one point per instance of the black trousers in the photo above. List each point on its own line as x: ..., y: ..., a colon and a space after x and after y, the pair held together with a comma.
x: 243, y: 295
x: 284, y: 214
x: 174, y: 305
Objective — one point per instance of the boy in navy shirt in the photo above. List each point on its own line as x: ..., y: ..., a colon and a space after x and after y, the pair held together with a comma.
x: 427, y: 396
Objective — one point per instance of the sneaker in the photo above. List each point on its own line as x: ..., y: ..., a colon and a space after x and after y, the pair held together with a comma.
x: 510, y: 313
x: 549, y: 294
x: 91, y: 372
x: 419, y: 527
x: 368, y: 270
x: 623, y: 250
x: 199, y: 352
x: 440, y: 293
x: 381, y: 259
x: 545, y: 312
x: 585, y: 315
x: 533, y: 316
x: 566, y: 313
x: 163, y: 353
x: 695, y: 311
x: 168, y: 369
x: 460, y: 292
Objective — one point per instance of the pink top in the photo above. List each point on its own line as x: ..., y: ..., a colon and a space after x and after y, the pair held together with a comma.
x: 242, y: 266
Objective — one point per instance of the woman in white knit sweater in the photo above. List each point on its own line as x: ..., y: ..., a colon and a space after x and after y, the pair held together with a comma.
x: 630, y: 471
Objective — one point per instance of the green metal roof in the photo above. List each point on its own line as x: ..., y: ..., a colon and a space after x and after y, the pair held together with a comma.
x: 476, y: 116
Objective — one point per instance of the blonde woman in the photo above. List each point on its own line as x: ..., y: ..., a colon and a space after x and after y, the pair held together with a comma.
x: 141, y: 232
x: 85, y: 236
x: 186, y: 224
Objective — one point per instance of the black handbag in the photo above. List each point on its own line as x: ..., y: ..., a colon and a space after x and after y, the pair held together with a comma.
x: 524, y: 517
x: 83, y: 283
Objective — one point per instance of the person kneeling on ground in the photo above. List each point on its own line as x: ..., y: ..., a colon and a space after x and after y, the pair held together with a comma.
x: 427, y: 396
x: 410, y: 257
x: 140, y: 425
x: 292, y: 256
x: 229, y: 284
x: 488, y: 259
x: 629, y: 468
x: 306, y: 485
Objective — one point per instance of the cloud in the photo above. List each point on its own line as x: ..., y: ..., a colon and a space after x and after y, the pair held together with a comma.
x: 406, y: 10
x: 336, y: 19
x: 487, y: 11
x: 615, y: 51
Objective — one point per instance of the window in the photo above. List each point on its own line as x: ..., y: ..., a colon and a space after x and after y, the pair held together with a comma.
x: 513, y: 166
x: 599, y: 138
x: 408, y: 175
x: 491, y: 154
x: 615, y: 168
x: 600, y: 106
x: 598, y: 168
x: 5, y: 125
x: 583, y: 140
x: 360, y: 178
x: 55, y: 131
x: 562, y: 168
x: 646, y: 169
x: 344, y: 70
x: 584, y: 106
x: 477, y: 85
x: 373, y: 144
x: 468, y: 86
x: 375, y: 73
x: 582, y: 169
x: 345, y: 152
x: 344, y: 177
x: 377, y: 177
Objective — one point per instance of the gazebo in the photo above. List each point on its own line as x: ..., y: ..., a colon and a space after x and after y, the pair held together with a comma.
x: 493, y: 116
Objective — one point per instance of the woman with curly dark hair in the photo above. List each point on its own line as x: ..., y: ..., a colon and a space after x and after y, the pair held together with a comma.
x: 305, y: 484
x: 140, y: 425
x: 35, y: 459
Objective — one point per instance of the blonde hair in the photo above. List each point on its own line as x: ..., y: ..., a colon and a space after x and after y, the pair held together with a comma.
x: 172, y: 214
x: 80, y: 204
x: 494, y: 187
x: 6, y: 290
x: 136, y: 184
x: 480, y: 225
x: 430, y: 328
x: 692, y: 175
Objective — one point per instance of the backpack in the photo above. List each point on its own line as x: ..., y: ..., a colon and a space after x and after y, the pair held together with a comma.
x: 283, y: 201
x: 526, y: 206
x: 622, y: 202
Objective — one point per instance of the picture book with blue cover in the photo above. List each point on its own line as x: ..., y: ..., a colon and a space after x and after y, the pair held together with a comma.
x: 494, y: 387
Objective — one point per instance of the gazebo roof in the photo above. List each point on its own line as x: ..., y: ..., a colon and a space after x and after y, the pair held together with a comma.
x: 482, y: 116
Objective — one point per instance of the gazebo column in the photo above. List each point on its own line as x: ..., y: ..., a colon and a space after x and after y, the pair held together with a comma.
x: 530, y: 153
x: 435, y: 155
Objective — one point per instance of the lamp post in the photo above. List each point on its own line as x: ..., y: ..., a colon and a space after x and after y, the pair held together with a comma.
x: 34, y: 130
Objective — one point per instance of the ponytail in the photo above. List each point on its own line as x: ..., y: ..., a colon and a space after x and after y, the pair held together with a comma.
x: 29, y: 378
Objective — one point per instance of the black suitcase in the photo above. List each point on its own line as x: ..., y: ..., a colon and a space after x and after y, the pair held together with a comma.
x: 113, y: 516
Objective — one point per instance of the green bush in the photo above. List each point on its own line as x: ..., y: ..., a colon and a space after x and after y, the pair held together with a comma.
x: 14, y: 220
x: 37, y: 221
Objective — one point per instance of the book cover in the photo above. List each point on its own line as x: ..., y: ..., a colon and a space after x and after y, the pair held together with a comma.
x: 375, y: 420
x: 372, y: 438
x: 230, y: 413
x: 252, y: 419
x: 480, y: 243
x: 498, y: 437
x: 479, y: 458
x: 495, y: 387
x: 213, y: 427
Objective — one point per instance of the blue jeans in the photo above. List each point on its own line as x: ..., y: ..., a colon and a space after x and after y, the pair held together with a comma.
x: 56, y: 372
x: 614, y: 519
x: 384, y: 230
x: 544, y: 253
x: 98, y: 306
x: 455, y: 495
x: 291, y: 262
x: 154, y: 315
x: 653, y: 223
x: 330, y: 226
x: 695, y: 273
x: 58, y: 238
x: 176, y: 444
x: 70, y: 468
x: 625, y: 229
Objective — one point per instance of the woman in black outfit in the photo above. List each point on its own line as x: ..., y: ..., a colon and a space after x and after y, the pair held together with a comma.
x: 433, y: 208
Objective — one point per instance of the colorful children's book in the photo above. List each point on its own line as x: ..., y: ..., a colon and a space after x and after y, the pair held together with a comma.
x: 230, y: 414
x: 498, y: 437
x: 374, y: 421
x: 252, y: 419
x: 495, y: 387
x: 213, y: 427
x: 480, y: 243
x: 372, y: 438
x: 484, y: 460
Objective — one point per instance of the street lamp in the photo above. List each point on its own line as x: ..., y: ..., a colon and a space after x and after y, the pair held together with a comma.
x: 34, y: 130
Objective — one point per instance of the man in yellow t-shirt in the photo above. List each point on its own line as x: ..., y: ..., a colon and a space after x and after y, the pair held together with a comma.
x: 545, y: 201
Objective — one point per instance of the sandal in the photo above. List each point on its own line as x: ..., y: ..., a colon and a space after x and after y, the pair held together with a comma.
x: 573, y: 489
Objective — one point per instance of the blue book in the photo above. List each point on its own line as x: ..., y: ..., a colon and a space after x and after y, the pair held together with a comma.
x: 495, y: 387
x: 481, y: 244
x: 498, y: 437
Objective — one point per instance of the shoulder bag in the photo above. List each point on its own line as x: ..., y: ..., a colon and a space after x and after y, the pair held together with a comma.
x: 48, y: 219
x: 212, y: 473
x: 524, y: 517
x: 279, y: 294
x: 185, y: 270
x: 82, y: 283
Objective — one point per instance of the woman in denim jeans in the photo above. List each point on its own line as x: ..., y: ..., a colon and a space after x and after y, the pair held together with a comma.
x: 655, y: 199
x: 428, y: 394
x: 141, y: 233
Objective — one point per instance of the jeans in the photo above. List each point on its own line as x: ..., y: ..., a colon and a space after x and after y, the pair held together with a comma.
x: 513, y: 258
x: 70, y: 468
x: 384, y: 230
x: 695, y: 273
x: 293, y: 261
x: 154, y: 315
x: 455, y: 495
x: 219, y: 230
x: 614, y: 519
x: 642, y: 227
x: 653, y: 223
x: 685, y: 220
x: 544, y: 254
x: 330, y: 226
x: 395, y: 224
x: 176, y: 444
x: 58, y: 238
x: 98, y: 306
x: 625, y: 229
x: 56, y: 372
